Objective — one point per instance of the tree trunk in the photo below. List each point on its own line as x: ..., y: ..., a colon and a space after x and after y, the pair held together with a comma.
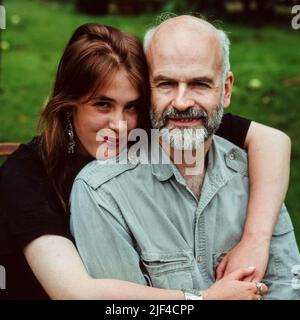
x: 92, y: 6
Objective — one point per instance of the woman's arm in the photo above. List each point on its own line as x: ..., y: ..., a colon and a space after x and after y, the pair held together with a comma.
x: 58, y: 267
x: 269, y: 153
x: 269, y: 164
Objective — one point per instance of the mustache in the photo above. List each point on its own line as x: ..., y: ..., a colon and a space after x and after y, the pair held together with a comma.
x: 190, y: 113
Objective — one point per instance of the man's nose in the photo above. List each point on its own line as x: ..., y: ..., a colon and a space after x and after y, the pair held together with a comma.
x: 182, y: 99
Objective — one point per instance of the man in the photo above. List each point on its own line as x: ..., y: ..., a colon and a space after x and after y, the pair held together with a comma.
x: 157, y: 219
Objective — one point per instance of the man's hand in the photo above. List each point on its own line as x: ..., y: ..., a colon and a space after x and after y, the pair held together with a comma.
x: 250, y: 251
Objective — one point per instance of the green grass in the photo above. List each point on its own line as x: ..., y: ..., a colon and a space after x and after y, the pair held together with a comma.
x: 270, y: 54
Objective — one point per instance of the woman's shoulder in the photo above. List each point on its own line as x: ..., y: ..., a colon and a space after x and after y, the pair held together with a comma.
x: 29, y: 206
x: 26, y: 160
x: 24, y: 165
x: 25, y: 151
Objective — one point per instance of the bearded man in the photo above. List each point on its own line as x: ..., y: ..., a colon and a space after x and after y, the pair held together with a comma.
x: 159, y: 222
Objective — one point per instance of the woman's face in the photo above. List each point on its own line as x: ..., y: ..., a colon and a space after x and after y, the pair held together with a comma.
x: 112, y: 113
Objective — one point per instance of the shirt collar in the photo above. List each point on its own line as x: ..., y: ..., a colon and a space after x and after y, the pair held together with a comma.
x: 162, y: 172
x: 167, y: 169
x: 162, y: 167
x: 225, y: 160
x: 220, y: 159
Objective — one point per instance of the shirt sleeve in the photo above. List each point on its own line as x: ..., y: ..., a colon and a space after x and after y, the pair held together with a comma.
x: 28, y: 207
x: 234, y: 129
x: 102, y: 238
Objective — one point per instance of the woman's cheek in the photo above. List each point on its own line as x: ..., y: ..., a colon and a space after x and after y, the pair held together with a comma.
x: 133, y: 122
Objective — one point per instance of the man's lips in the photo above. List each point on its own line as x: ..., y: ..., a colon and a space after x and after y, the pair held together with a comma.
x: 184, y: 122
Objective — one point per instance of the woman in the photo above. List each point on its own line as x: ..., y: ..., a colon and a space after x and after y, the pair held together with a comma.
x: 101, y: 79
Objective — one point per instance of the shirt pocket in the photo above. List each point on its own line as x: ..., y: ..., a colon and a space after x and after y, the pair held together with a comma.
x: 283, y: 251
x: 170, y: 270
x: 283, y: 224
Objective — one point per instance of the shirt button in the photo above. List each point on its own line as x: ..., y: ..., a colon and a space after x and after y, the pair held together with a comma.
x: 199, y: 259
x: 231, y: 156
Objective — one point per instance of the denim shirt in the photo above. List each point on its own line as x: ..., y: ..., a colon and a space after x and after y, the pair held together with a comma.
x: 141, y: 223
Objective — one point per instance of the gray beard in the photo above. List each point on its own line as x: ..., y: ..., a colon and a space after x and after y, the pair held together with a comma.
x: 187, y: 138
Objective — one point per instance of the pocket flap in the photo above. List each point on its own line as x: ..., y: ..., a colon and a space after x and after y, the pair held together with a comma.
x: 165, y: 262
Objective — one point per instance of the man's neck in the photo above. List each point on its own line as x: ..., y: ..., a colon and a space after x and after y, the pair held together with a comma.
x: 192, y: 168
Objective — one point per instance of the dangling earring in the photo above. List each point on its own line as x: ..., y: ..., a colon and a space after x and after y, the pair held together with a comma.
x: 71, y: 143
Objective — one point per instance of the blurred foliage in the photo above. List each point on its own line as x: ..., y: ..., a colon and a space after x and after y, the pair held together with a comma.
x: 265, y: 62
x: 254, y: 10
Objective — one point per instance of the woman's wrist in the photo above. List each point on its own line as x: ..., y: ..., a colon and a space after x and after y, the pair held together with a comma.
x: 193, y: 295
x: 251, y: 235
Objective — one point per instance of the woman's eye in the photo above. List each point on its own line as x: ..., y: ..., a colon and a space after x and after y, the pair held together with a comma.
x: 131, y: 107
x: 102, y: 104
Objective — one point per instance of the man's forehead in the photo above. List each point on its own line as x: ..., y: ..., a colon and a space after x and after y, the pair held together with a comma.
x: 183, y: 29
x: 185, y: 57
x: 186, y: 44
x: 182, y: 72
x: 186, y: 22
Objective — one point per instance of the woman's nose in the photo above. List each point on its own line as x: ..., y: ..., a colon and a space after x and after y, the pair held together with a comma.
x: 118, y: 122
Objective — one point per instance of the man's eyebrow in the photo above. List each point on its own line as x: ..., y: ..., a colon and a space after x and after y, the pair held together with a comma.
x: 202, y: 79
x: 161, y: 77
x: 205, y: 79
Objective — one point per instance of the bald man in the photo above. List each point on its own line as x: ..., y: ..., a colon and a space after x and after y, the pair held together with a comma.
x: 158, y: 222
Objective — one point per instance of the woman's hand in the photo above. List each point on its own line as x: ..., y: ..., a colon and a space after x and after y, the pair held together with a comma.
x: 232, y: 287
x: 249, y: 251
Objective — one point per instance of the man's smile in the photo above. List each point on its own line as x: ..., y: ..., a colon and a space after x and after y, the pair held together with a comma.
x: 186, y: 122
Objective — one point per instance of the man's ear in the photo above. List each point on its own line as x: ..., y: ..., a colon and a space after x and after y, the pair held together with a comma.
x: 228, y: 89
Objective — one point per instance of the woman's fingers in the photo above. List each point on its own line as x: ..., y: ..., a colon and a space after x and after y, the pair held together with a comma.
x: 259, y: 288
x: 241, y: 273
x: 221, y: 268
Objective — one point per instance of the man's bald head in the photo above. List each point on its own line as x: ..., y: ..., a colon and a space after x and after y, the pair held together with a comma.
x: 180, y: 34
x: 185, y: 23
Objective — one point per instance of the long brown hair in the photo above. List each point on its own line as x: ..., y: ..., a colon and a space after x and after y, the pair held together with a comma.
x: 92, y: 56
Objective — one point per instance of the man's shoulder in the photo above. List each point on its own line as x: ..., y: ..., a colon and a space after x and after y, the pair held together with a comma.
x: 235, y: 158
x: 96, y: 173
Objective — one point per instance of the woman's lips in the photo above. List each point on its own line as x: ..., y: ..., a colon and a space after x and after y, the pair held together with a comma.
x: 112, y: 142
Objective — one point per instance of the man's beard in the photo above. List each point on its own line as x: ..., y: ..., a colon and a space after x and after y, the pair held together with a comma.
x: 187, y: 138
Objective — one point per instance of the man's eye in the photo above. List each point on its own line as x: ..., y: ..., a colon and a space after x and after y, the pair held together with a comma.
x: 198, y: 84
x: 165, y: 85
